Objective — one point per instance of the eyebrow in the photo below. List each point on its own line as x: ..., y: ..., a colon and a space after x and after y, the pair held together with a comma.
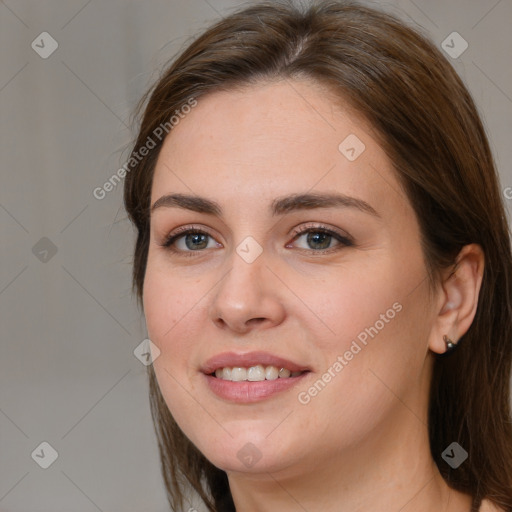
x: 279, y: 206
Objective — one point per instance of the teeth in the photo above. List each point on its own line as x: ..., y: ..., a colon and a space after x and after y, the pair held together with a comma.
x: 223, y: 373
x: 254, y: 373
x: 271, y: 373
x: 238, y: 374
x: 283, y: 372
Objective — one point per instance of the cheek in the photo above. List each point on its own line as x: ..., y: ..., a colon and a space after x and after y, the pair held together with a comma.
x: 169, y: 315
x: 347, y: 305
x: 167, y: 309
x: 368, y: 365
x: 375, y: 326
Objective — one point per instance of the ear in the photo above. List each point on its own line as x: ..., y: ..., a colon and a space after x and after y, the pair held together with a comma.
x: 457, y: 298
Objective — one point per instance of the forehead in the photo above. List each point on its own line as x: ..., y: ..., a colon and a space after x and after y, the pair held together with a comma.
x: 270, y: 139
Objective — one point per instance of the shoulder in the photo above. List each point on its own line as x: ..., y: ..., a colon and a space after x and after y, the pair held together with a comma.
x: 488, y: 506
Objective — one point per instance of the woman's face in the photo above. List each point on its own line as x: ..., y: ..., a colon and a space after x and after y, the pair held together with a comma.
x: 275, y: 275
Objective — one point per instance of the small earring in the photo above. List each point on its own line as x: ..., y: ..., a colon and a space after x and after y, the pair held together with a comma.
x: 450, y: 345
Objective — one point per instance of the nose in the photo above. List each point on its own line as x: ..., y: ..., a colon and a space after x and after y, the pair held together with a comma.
x: 247, y: 297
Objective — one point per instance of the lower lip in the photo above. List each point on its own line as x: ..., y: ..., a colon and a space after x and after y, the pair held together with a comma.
x: 247, y: 391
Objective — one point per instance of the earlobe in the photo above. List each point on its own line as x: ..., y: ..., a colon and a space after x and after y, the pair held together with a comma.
x: 450, y: 345
x: 459, y: 294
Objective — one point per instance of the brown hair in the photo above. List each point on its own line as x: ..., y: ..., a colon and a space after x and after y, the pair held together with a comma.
x: 429, y: 127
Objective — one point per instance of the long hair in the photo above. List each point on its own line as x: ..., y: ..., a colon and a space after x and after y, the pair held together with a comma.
x: 429, y: 127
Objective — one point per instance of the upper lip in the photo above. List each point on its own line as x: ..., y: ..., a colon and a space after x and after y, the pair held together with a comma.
x: 248, y: 359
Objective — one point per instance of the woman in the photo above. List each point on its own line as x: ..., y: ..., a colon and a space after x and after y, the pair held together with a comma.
x: 324, y: 264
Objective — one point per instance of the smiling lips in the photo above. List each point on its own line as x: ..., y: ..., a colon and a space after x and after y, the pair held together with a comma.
x: 250, y: 377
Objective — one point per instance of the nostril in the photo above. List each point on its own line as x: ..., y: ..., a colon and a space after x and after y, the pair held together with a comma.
x: 256, y: 321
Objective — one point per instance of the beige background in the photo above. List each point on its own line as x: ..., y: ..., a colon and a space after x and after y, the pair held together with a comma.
x: 69, y: 326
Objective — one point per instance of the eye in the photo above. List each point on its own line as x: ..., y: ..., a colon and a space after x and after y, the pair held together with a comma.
x: 320, y: 238
x: 189, y: 240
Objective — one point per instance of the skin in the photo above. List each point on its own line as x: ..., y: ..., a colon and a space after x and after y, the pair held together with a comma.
x: 361, y: 444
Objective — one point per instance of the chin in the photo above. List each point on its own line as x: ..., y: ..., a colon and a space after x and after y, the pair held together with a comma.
x: 248, y: 460
x: 254, y: 453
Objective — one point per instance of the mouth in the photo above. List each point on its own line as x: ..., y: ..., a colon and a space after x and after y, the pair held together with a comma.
x: 255, y: 373
x: 251, y: 377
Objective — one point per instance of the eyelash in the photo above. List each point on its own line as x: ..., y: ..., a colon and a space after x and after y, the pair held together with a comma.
x: 180, y: 232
